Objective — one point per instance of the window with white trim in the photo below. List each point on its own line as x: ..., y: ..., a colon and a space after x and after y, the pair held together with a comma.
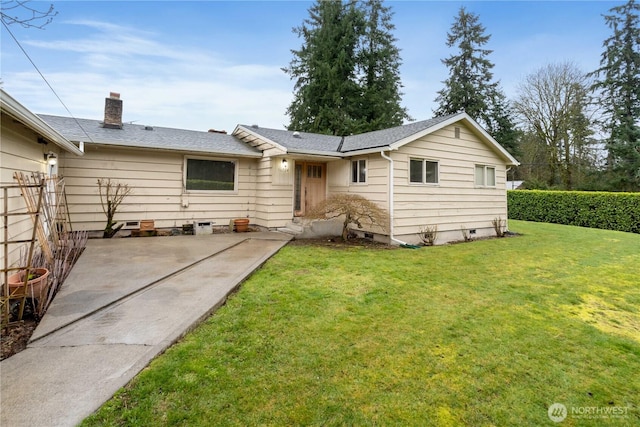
x: 210, y: 175
x: 422, y: 171
x: 359, y: 171
x: 485, y: 176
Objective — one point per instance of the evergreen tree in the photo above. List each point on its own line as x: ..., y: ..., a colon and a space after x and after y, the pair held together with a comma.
x: 470, y: 86
x: 618, y: 83
x: 379, y: 62
x: 326, y: 91
x: 346, y: 73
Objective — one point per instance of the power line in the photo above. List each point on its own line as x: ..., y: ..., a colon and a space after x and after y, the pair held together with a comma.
x: 44, y: 78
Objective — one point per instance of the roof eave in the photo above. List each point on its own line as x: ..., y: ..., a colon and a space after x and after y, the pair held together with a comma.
x: 21, y: 113
x: 510, y: 160
x: 255, y: 155
x: 365, y: 151
x: 240, y: 129
x: 327, y: 154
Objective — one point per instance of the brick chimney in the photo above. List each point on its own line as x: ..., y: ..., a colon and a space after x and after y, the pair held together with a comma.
x: 113, y: 111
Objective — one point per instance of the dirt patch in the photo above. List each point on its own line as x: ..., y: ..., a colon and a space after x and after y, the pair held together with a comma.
x: 15, y: 337
x: 338, y: 243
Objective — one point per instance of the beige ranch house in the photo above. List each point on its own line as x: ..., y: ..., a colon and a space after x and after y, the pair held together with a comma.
x: 446, y: 171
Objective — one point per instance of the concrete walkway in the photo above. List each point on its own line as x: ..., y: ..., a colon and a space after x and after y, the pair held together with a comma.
x: 124, y: 303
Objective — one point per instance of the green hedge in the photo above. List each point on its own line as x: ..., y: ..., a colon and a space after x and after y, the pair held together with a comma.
x: 609, y: 211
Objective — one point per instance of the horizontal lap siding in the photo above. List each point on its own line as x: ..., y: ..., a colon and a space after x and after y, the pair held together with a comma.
x: 274, y: 199
x: 375, y: 189
x: 19, y: 152
x: 455, y: 202
x: 156, y: 180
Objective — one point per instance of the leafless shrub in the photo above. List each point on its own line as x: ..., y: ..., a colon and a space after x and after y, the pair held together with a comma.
x: 499, y: 226
x: 465, y: 233
x: 428, y: 234
x: 356, y: 210
x: 112, y: 194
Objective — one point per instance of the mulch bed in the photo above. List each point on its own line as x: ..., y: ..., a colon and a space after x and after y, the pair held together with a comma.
x: 338, y: 243
x: 15, y: 337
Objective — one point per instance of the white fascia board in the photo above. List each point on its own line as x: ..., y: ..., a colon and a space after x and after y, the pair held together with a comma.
x: 314, y: 153
x: 510, y: 159
x: 240, y: 128
x: 366, y: 151
x: 396, y: 145
x: 125, y: 146
x: 21, y: 113
x: 457, y: 118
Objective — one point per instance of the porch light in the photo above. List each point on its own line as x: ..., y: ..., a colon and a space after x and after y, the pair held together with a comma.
x: 284, y: 165
x: 51, y: 158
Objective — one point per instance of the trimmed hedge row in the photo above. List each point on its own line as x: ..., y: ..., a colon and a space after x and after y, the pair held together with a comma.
x: 609, y: 211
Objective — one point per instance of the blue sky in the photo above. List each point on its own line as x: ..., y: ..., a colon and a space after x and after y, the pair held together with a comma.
x: 214, y: 64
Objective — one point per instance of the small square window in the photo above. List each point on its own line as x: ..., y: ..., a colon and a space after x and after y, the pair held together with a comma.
x: 485, y: 176
x: 431, y: 172
x: 423, y: 171
x: 479, y: 175
x: 491, y: 177
x: 415, y: 171
x: 359, y: 171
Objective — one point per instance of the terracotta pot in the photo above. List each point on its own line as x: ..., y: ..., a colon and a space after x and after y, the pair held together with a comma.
x: 241, y: 225
x: 37, y: 285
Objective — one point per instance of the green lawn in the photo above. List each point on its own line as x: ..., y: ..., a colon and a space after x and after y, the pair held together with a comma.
x: 485, y: 333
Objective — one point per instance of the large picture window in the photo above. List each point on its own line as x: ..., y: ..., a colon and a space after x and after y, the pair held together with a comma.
x: 485, y: 176
x: 210, y: 175
x: 423, y: 171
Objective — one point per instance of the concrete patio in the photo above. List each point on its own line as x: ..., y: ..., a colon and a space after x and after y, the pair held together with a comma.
x: 124, y: 303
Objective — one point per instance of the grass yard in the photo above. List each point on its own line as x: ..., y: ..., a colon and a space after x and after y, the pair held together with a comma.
x: 491, y: 332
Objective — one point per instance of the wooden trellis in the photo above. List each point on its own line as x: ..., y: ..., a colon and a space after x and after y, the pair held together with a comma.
x: 58, y: 246
x: 35, y: 200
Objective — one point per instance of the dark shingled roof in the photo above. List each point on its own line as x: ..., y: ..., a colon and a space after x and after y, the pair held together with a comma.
x: 313, y: 143
x: 155, y: 138
x: 386, y: 137
x: 215, y: 143
x: 304, y: 142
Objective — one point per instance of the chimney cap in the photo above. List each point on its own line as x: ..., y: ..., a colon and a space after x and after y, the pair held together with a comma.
x: 114, y: 95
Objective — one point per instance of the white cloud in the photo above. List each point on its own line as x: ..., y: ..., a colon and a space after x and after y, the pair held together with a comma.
x: 160, y: 84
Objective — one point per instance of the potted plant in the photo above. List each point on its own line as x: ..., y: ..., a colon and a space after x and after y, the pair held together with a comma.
x: 36, y: 282
x: 241, y: 224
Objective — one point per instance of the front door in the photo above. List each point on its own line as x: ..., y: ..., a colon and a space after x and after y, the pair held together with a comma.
x: 310, y: 186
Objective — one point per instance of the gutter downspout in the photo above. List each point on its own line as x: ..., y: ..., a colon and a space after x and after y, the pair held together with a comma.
x: 390, y: 160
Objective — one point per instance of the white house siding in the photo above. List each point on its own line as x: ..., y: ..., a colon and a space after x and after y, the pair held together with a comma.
x: 156, y: 180
x: 19, y: 152
x: 274, y: 193
x: 374, y: 189
x: 456, y: 201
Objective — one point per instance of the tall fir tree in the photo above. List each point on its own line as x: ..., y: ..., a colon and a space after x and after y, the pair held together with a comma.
x: 379, y: 63
x: 346, y: 73
x: 470, y: 86
x: 618, y: 87
x: 326, y: 90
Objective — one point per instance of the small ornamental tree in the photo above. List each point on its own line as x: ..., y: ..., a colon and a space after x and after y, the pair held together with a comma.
x: 355, y: 209
x: 111, y: 196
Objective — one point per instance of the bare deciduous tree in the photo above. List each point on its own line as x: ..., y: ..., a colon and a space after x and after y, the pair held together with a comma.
x: 19, y: 12
x: 553, y: 107
x: 111, y: 196
x: 356, y: 210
